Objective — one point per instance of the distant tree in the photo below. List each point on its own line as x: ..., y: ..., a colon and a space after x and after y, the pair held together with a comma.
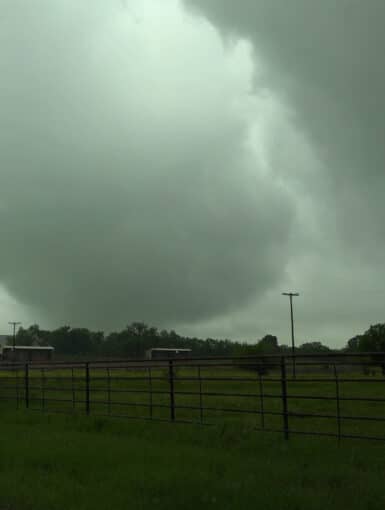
x: 135, y: 339
x: 313, y: 348
x: 268, y: 345
x: 76, y: 341
x: 373, y: 340
x: 30, y: 336
x: 60, y: 340
x: 353, y: 345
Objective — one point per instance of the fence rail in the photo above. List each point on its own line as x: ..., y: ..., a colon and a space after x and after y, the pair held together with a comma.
x: 340, y: 396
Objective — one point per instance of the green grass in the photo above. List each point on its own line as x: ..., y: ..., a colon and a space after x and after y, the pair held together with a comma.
x: 133, y: 393
x: 52, y: 462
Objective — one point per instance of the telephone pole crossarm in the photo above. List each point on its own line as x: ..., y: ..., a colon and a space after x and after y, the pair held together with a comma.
x: 14, y: 324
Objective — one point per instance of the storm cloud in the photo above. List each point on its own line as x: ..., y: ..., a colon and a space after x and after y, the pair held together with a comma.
x: 130, y: 186
x: 323, y: 61
x: 184, y: 162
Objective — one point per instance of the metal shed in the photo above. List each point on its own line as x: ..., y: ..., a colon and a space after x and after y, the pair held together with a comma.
x: 163, y: 352
x: 27, y: 353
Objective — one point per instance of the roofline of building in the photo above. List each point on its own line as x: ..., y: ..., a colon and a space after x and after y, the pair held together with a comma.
x: 168, y: 349
x: 30, y: 347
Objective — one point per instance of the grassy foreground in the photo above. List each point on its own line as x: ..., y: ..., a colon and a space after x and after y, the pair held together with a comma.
x: 68, y: 462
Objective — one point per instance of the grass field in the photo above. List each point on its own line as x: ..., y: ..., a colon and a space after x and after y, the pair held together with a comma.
x: 218, y: 396
x: 52, y: 462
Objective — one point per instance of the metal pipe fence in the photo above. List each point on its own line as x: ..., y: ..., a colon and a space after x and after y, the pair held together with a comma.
x: 337, y: 396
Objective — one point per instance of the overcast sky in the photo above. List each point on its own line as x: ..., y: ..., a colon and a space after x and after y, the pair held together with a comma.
x: 185, y: 162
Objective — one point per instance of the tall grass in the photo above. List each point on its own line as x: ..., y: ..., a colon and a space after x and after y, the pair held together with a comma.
x: 76, y: 463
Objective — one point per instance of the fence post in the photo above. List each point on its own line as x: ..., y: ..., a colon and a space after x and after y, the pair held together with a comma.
x: 26, y: 385
x: 109, y: 389
x: 338, y: 403
x: 200, y: 394
x: 262, y: 406
x: 172, y: 395
x: 73, y: 388
x: 17, y: 387
x: 87, y: 388
x: 285, y: 414
x: 42, y: 389
x: 150, y: 392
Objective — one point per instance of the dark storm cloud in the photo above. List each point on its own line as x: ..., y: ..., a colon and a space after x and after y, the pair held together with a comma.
x: 127, y: 189
x: 324, y: 58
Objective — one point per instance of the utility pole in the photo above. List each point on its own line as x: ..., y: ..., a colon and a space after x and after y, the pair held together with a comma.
x: 291, y: 295
x: 14, y: 324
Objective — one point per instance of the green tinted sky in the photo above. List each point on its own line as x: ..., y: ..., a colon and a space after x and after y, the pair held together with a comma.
x: 184, y: 163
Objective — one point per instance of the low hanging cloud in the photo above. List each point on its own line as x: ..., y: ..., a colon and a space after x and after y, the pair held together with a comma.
x: 128, y: 188
x: 323, y: 59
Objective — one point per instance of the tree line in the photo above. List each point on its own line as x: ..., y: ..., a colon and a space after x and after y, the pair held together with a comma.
x: 136, y: 338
